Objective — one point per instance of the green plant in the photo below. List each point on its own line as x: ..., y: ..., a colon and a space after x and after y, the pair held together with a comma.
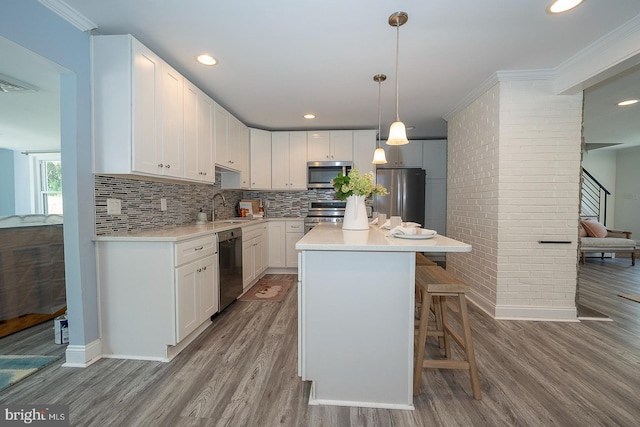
x: 354, y: 184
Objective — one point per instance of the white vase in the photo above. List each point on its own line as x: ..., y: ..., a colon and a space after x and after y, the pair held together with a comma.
x: 355, y: 214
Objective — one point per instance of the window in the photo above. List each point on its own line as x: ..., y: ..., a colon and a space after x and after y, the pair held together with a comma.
x: 49, y: 184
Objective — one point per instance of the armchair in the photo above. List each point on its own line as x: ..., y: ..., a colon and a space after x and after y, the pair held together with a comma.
x: 597, y: 238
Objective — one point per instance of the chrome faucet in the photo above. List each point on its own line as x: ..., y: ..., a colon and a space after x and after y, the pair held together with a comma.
x: 224, y: 201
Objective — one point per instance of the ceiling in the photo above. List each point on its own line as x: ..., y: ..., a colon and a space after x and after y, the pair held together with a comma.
x: 281, y: 59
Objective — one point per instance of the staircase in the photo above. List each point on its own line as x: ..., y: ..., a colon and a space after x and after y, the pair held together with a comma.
x: 594, y: 198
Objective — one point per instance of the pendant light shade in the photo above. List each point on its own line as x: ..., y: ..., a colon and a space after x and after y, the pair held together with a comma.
x: 379, y: 157
x: 397, y: 134
x: 397, y: 131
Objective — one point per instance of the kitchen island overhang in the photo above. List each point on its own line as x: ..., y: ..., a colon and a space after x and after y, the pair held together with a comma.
x: 356, y: 315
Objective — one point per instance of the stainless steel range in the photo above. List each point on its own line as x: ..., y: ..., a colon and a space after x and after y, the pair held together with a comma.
x: 324, y: 211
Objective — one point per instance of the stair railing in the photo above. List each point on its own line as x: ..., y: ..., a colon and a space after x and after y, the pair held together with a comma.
x: 594, y: 198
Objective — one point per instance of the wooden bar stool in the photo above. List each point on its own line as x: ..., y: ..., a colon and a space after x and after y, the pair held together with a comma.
x: 436, y: 282
x: 422, y: 260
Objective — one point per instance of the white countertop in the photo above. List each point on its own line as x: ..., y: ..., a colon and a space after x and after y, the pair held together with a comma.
x: 331, y: 237
x: 185, y: 232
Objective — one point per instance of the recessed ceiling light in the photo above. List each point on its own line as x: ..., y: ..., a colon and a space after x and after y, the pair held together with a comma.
x: 309, y: 116
x: 206, y: 59
x: 628, y: 102
x: 559, y: 6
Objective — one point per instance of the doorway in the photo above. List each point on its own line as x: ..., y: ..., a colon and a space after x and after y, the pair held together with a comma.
x: 611, y: 154
x: 32, y: 288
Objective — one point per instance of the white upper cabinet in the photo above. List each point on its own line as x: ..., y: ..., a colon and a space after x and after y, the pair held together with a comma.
x: 137, y: 110
x: 364, y: 144
x: 260, y: 159
x: 198, y: 134
x: 126, y: 106
x: 139, y: 117
x: 172, y: 118
x: 403, y: 156
x: 242, y: 153
x: 221, y: 140
x: 329, y: 146
x: 232, y: 148
x: 289, y: 160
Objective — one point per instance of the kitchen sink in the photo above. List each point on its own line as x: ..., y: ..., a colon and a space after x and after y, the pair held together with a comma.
x: 233, y: 221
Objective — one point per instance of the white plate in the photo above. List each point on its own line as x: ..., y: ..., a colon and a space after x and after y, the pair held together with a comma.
x: 424, y: 234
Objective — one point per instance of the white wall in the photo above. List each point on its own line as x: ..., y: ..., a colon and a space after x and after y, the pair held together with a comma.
x: 514, y: 180
x: 627, y: 201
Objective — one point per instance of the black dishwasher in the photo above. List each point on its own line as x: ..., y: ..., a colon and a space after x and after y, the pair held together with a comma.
x: 230, y: 266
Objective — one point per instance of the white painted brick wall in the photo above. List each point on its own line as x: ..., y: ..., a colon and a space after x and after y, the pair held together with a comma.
x: 514, y: 179
x: 472, y: 195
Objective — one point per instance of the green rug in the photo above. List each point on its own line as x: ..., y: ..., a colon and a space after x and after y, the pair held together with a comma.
x: 13, y: 368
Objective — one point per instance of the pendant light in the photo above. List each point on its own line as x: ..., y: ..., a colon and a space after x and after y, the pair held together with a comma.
x: 379, y: 158
x: 397, y: 131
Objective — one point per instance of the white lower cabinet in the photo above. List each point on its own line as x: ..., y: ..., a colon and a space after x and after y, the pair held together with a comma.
x: 295, y: 231
x: 283, y: 236
x: 254, y: 253
x: 196, y: 298
x: 155, y: 296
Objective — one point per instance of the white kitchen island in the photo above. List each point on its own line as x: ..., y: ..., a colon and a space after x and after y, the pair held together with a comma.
x: 356, y: 314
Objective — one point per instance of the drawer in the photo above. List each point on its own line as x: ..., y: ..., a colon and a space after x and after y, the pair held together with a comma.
x: 295, y: 227
x: 249, y: 233
x: 193, y: 249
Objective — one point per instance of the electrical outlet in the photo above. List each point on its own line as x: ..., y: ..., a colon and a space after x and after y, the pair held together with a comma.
x: 114, y: 206
x: 163, y: 204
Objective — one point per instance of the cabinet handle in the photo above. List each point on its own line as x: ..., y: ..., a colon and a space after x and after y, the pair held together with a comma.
x: 204, y: 173
x: 160, y: 165
x: 199, y: 270
x: 204, y: 268
x: 167, y: 166
x: 200, y: 248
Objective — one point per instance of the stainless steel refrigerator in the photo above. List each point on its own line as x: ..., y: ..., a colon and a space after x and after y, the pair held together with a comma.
x: 406, y: 193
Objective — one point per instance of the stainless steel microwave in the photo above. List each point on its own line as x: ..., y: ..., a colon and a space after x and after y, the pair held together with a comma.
x: 320, y: 174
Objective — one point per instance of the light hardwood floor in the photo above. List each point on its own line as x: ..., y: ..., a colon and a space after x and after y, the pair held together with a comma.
x: 242, y: 372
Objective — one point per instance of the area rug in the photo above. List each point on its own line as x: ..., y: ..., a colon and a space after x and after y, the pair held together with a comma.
x: 267, y: 290
x: 635, y: 298
x: 13, y: 368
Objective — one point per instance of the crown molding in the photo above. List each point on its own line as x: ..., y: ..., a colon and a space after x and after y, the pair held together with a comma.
x: 500, y: 77
x: 69, y: 14
x: 526, y: 75
x: 473, y: 95
x: 609, y: 55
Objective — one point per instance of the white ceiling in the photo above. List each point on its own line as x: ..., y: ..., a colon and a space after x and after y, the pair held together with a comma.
x: 281, y: 59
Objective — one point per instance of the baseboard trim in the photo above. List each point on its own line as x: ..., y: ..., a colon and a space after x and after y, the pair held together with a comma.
x: 507, y: 312
x: 81, y: 356
x: 281, y: 270
x: 482, y: 303
x: 545, y: 314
